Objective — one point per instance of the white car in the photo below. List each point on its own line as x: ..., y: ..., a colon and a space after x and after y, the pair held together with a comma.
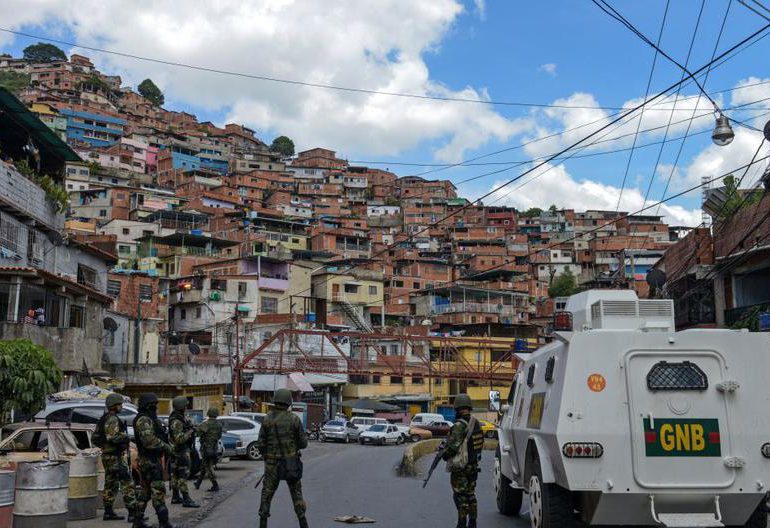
x: 363, y: 423
x: 381, y: 434
x: 339, y: 430
x: 247, y: 430
x: 253, y: 416
x: 86, y: 412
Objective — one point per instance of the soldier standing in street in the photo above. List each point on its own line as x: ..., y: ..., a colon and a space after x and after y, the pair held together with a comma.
x: 181, y: 432
x: 209, y: 432
x: 152, y: 444
x: 112, y: 435
x: 280, y: 440
x: 463, y: 479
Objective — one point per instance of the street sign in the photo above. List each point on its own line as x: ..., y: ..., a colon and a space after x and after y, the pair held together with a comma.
x: 494, y: 400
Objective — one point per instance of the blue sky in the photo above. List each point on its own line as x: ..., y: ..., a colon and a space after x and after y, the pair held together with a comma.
x: 537, y: 52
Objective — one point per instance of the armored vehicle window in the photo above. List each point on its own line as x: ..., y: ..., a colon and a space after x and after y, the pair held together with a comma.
x: 512, y: 392
x: 549, y: 368
x: 684, y: 376
x: 531, y: 376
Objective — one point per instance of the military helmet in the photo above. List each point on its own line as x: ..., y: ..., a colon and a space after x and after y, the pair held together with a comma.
x: 213, y: 412
x: 282, y: 397
x: 179, y: 403
x: 113, y: 399
x: 147, y: 399
x: 463, y: 401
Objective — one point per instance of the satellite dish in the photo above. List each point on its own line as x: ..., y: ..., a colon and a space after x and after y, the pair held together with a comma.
x: 109, y: 324
x: 656, y: 278
x: 194, y: 349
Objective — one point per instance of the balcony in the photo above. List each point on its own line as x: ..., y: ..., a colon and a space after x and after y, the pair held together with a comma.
x: 746, y: 316
x: 25, y: 198
x: 468, y: 307
x: 271, y: 283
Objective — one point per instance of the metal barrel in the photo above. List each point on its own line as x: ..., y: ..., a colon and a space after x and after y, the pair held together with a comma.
x: 7, y: 485
x: 83, y: 486
x: 41, y: 494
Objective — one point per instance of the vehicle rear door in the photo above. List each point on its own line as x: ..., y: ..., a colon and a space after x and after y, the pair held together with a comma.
x: 679, y: 420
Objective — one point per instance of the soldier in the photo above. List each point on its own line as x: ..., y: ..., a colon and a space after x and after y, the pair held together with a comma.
x: 280, y: 440
x: 182, y: 435
x: 463, y: 479
x: 209, y: 432
x: 152, y: 444
x: 112, y: 436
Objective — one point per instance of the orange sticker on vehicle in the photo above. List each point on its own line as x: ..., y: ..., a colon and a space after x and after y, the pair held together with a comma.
x: 596, y: 382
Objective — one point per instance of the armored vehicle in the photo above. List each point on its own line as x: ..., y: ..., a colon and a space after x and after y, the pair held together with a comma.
x: 621, y: 420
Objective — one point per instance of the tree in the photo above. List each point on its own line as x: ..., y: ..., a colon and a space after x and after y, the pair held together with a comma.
x: 43, y: 52
x: 28, y: 373
x: 14, y: 82
x: 532, y: 212
x: 735, y: 199
x: 552, y: 209
x: 564, y: 285
x: 283, y: 145
x: 151, y: 92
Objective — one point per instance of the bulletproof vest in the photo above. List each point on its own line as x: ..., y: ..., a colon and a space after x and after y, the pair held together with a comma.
x: 176, y: 415
x: 99, y: 438
x: 159, y: 430
x: 475, y: 442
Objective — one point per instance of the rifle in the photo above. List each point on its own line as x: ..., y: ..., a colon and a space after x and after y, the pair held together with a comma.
x: 434, y: 464
x: 261, y: 478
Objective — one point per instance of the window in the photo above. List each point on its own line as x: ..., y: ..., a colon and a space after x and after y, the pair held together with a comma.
x: 416, y: 285
x: 396, y: 380
x: 124, y: 250
x: 88, y: 276
x: 183, y: 313
x: 351, y: 288
x: 113, y: 288
x: 77, y: 316
x: 375, y: 379
x: 197, y: 312
x: 269, y: 305
x: 145, y: 292
x: 417, y: 380
x: 102, y: 212
x: 372, y: 290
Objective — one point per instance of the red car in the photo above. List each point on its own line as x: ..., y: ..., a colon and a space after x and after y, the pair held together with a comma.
x: 439, y: 429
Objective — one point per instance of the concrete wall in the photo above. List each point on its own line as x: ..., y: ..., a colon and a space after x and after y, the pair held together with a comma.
x: 188, y: 374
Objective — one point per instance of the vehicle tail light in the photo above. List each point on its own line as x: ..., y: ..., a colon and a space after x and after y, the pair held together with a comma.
x: 562, y: 321
x: 238, y: 444
x: 582, y: 450
x: 766, y: 450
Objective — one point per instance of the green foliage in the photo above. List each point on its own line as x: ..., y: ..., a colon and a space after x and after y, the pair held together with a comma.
x: 735, y: 200
x: 53, y: 191
x: 25, y: 168
x: 97, y: 82
x: 43, y: 52
x: 552, y: 209
x: 564, y: 285
x: 14, y: 82
x: 150, y: 91
x: 283, y: 145
x: 532, y: 212
x: 94, y: 167
x: 391, y: 200
x: 28, y: 373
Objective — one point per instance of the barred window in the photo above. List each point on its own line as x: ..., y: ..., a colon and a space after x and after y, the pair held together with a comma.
x: 113, y: 287
x: 684, y: 376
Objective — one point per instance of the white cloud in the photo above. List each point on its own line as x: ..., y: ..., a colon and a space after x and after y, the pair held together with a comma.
x: 553, y: 184
x: 374, y: 45
x: 481, y: 8
x: 549, y: 68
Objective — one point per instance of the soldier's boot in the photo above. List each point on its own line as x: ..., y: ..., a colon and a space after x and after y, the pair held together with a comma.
x: 162, y: 513
x: 176, y: 498
x: 110, y: 515
x: 197, y: 482
x: 471, y: 522
x: 462, y: 522
x: 132, y: 513
x: 137, y: 518
x: 187, y: 501
x: 263, y: 522
x: 214, y: 486
x: 303, y: 522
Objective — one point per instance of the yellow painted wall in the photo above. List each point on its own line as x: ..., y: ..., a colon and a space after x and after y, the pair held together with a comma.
x: 326, y: 288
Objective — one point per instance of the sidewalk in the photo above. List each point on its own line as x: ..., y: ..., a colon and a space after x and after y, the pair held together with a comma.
x: 230, y: 476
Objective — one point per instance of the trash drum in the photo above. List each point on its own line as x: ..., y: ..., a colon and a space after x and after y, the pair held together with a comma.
x: 83, y: 486
x: 7, y: 485
x: 41, y: 494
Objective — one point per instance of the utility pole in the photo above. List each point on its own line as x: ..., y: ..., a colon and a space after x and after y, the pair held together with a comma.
x: 137, y: 330
x: 237, y: 370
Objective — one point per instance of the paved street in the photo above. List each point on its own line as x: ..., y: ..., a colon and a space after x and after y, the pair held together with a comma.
x: 353, y: 479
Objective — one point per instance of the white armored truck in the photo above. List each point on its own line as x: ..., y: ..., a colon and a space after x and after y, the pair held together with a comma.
x: 621, y: 420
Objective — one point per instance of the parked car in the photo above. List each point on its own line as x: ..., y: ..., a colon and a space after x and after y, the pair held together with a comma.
x: 253, y: 416
x: 340, y: 431
x: 488, y: 428
x: 85, y: 411
x: 381, y: 434
x: 438, y: 428
x: 403, y: 429
x: 220, y: 448
x: 232, y: 446
x: 362, y: 423
x: 416, y: 434
x: 247, y: 430
x: 420, y: 419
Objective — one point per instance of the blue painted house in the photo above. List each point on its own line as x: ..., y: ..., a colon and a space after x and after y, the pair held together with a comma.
x: 95, y: 129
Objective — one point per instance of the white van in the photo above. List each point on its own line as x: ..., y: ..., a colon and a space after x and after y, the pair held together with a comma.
x: 363, y: 423
x: 425, y: 419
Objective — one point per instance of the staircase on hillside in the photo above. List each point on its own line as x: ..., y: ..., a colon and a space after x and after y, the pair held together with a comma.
x: 354, y: 315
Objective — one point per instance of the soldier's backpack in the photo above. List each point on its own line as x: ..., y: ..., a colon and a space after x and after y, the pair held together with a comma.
x: 99, y: 438
x: 460, y: 460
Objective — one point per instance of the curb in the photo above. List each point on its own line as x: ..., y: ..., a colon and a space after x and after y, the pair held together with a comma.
x: 412, y: 453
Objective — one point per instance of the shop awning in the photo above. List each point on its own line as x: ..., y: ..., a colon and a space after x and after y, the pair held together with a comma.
x: 295, y: 382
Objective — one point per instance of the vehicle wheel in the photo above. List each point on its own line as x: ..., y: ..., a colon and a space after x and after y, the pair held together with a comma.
x: 399, y: 440
x: 415, y: 438
x: 381, y: 441
x: 323, y: 438
x: 758, y: 519
x: 252, y: 451
x: 491, y: 434
x: 508, y: 499
x: 550, y: 505
x: 347, y: 439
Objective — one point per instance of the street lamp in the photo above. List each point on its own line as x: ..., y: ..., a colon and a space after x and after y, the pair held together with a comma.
x: 723, y: 133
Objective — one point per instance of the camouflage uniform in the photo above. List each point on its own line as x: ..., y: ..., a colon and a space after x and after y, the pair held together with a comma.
x: 281, y: 425
x: 463, y: 480
x: 209, y: 433
x: 152, y: 444
x: 116, y: 474
x: 181, y: 433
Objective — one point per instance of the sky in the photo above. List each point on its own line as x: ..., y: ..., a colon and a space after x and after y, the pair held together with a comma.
x: 566, y: 53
